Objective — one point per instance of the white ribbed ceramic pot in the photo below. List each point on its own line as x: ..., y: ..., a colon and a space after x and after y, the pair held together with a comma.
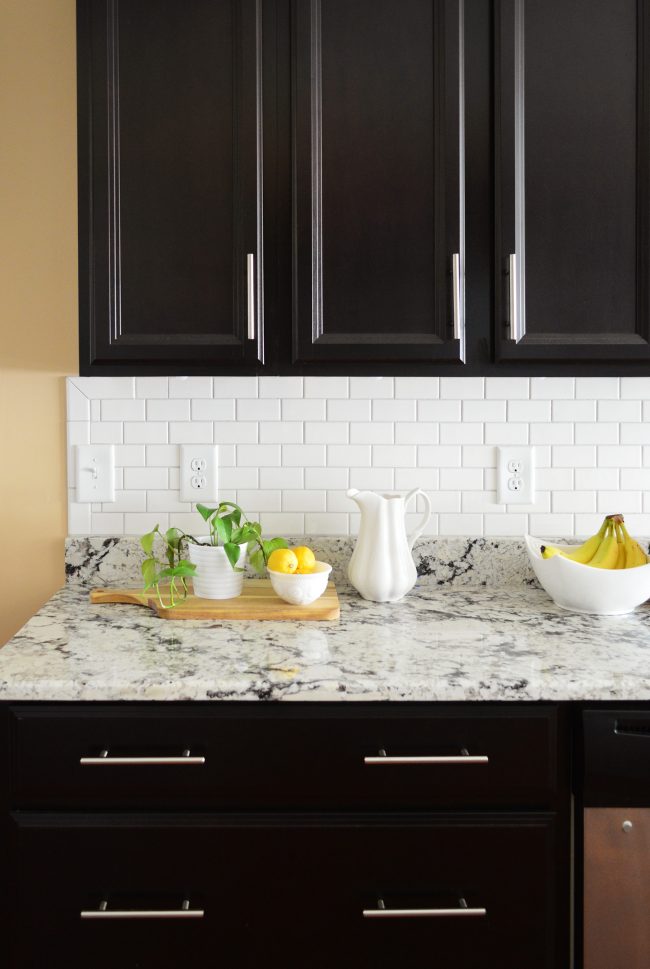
x: 215, y: 578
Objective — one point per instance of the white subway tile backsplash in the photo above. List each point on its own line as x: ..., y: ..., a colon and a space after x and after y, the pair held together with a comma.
x: 78, y: 404
x: 281, y: 432
x: 574, y: 501
x: 218, y: 409
x: 189, y: 432
x: 393, y: 410
x: 461, y: 433
x: 109, y: 432
x: 507, y: 388
x: 461, y: 388
x: 394, y: 455
x: 377, y: 432
x: 349, y: 410
x: 289, y: 447
x: 529, y: 410
x: 597, y: 388
x: 417, y: 388
x: 100, y: 388
x: 304, y: 410
x: 327, y: 387
x: 152, y: 387
x: 602, y: 433
x: 122, y: 410
x: 145, y: 478
x: 372, y: 387
x: 232, y: 388
x: 281, y: 478
x: 552, y: 388
x: 190, y: 387
x: 275, y: 387
x: 171, y: 410
x: 484, y: 410
x: 574, y: 410
x: 611, y: 502
x: 164, y: 455
x: 258, y: 410
x: 420, y: 432
x: 620, y: 410
x: 439, y: 410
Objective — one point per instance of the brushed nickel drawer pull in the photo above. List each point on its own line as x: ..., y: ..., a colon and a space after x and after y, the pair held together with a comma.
x: 250, y: 293
x: 105, y: 761
x: 103, y: 912
x: 381, y: 912
x: 464, y: 757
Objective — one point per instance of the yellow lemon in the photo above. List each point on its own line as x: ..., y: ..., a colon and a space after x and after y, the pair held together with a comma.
x: 306, y: 559
x: 283, y: 560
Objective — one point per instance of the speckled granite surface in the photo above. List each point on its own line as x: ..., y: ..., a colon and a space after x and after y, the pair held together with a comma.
x: 460, y: 562
x: 439, y: 643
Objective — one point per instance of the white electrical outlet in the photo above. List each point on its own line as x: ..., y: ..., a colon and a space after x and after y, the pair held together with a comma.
x: 516, y: 475
x: 95, y: 479
x: 198, y: 477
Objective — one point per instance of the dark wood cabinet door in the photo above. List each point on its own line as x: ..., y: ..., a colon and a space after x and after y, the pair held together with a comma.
x: 287, y: 892
x: 170, y: 169
x: 573, y: 180
x: 378, y: 181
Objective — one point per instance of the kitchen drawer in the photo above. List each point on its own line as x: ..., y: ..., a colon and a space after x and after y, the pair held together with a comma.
x: 616, y: 757
x: 289, y: 756
x: 285, y: 892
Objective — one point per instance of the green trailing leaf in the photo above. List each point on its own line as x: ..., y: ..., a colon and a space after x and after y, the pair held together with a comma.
x: 232, y: 553
x: 205, y: 512
x: 272, y: 545
x: 174, y: 537
x: 149, y: 569
x: 256, y: 560
x: 147, y: 541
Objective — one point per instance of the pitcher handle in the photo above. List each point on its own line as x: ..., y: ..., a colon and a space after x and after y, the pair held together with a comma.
x: 425, y: 518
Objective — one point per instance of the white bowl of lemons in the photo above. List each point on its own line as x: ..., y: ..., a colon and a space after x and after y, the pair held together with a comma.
x: 297, y: 576
x: 608, y: 575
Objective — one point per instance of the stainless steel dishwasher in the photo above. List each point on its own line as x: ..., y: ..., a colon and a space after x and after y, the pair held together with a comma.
x: 616, y: 839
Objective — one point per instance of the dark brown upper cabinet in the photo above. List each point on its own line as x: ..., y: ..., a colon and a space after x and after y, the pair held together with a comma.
x: 378, y: 181
x: 170, y: 184
x: 572, y: 188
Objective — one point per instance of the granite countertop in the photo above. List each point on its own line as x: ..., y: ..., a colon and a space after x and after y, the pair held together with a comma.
x: 442, y: 642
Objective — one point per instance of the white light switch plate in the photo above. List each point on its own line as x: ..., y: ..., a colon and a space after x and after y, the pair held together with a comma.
x: 199, y: 472
x: 516, y: 475
x: 95, y: 472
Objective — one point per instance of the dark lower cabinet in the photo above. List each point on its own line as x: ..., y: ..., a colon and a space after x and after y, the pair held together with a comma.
x: 378, y: 181
x: 573, y: 180
x: 286, y: 892
x: 170, y: 184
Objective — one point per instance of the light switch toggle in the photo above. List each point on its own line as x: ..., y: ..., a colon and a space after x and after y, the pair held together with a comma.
x: 95, y: 479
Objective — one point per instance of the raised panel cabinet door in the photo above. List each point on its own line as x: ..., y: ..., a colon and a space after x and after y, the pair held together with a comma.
x: 378, y: 181
x: 170, y: 170
x: 572, y: 180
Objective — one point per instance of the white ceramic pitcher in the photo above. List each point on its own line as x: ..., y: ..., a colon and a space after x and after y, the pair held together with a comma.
x: 382, y: 567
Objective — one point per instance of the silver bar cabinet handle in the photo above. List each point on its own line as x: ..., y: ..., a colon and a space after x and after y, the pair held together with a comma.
x: 250, y: 289
x: 381, y: 912
x: 103, y: 912
x: 514, y: 306
x: 464, y: 757
x: 457, y: 297
x: 104, y: 760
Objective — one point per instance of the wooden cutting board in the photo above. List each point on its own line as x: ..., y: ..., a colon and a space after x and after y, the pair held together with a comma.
x: 257, y: 601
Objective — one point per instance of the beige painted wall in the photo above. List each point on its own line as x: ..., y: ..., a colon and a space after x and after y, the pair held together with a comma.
x: 38, y: 295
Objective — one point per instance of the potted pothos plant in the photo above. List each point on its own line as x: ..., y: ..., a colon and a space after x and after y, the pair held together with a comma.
x: 215, y: 562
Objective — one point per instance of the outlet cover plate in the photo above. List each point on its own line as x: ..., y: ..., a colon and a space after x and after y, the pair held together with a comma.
x: 516, y: 475
x: 95, y: 478
x: 199, y: 472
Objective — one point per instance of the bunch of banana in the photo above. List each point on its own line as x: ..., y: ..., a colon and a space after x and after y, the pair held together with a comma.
x: 610, y: 548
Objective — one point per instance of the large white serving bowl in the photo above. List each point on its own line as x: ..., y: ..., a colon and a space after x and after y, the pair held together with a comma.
x: 300, y: 590
x: 581, y: 588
